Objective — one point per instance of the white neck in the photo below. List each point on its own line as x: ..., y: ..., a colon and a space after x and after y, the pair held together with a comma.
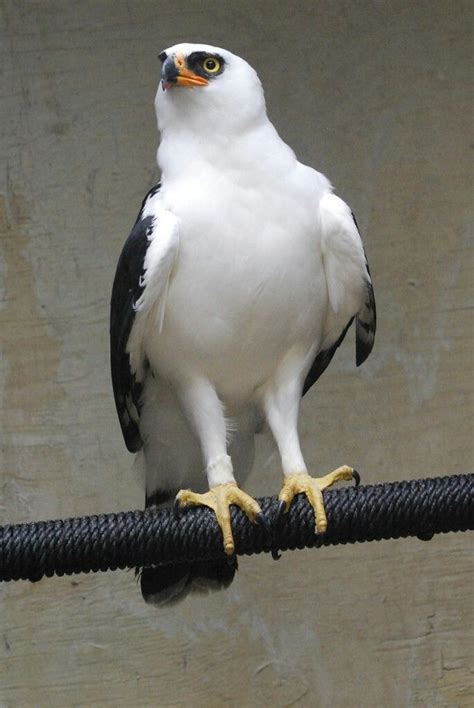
x: 256, y: 146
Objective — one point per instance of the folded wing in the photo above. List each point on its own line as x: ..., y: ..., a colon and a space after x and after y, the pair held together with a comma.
x: 349, y: 286
x: 138, y: 301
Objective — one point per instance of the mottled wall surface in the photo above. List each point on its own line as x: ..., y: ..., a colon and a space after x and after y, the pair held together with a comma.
x: 376, y: 95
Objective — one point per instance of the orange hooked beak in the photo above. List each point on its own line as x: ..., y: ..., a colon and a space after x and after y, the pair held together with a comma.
x: 174, y: 72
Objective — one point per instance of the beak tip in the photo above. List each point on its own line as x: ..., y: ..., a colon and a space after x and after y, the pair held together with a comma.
x: 175, y: 73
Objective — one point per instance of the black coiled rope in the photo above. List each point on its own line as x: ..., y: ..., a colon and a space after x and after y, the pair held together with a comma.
x: 136, y: 538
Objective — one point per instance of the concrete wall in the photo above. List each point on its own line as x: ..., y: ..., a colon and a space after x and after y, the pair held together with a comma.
x: 376, y: 95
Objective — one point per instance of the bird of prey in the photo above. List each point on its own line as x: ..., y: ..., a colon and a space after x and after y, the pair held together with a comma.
x: 239, y: 280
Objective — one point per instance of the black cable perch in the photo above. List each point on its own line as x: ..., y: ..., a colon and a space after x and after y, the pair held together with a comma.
x: 135, y: 538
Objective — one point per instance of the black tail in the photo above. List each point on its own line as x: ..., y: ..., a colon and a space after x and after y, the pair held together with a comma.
x: 168, y: 584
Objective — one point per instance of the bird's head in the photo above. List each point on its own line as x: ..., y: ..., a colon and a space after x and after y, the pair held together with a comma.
x: 203, y: 87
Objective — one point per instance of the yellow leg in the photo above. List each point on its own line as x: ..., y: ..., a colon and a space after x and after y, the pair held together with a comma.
x: 304, y: 484
x: 219, y: 499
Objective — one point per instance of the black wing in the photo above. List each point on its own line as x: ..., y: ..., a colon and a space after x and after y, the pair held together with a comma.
x: 366, y: 324
x: 322, y: 361
x: 126, y: 290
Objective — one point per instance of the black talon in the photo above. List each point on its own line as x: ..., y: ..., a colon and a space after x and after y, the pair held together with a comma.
x: 276, y: 555
x: 280, y: 511
x: 232, y: 560
x: 264, y: 521
x: 177, y: 508
x: 356, y: 477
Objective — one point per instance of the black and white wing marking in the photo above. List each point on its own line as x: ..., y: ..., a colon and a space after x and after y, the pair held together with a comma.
x: 350, y: 290
x: 366, y: 319
x: 127, y: 289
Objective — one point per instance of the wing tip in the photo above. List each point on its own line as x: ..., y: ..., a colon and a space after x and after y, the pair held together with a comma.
x: 366, y: 325
x: 362, y: 352
x: 365, y: 338
x: 132, y: 438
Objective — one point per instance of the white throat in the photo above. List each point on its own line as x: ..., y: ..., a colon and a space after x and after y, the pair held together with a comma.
x: 197, y: 133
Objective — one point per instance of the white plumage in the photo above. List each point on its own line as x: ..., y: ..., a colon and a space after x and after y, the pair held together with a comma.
x: 252, y: 268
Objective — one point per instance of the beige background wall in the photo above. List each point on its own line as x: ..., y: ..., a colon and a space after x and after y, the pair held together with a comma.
x: 376, y: 95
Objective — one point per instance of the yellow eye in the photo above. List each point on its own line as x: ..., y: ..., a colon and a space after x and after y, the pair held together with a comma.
x: 211, y: 65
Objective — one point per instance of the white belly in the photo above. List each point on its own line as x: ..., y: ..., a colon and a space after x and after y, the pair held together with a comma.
x: 243, y: 294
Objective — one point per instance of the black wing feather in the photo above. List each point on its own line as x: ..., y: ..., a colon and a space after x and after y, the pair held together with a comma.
x: 322, y: 361
x: 366, y: 319
x: 366, y: 324
x: 126, y: 290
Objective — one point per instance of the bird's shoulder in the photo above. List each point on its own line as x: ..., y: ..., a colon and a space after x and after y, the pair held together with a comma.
x: 127, y: 285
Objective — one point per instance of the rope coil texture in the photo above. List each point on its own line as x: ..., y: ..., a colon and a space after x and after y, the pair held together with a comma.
x: 139, y: 538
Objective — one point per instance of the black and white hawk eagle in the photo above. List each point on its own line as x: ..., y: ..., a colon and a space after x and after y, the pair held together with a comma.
x: 238, y: 282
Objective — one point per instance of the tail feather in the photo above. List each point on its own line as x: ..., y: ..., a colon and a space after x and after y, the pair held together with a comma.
x: 168, y: 584
x: 164, y: 584
x: 206, y: 576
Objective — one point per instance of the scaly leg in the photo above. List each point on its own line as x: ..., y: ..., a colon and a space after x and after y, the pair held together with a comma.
x: 281, y: 403
x: 204, y: 411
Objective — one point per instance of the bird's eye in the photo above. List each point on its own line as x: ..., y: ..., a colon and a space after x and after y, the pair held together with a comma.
x: 211, y: 65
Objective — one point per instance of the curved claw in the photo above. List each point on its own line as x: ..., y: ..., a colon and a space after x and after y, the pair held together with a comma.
x: 276, y: 555
x: 220, y: 498
x: 177, y: 508
x: 302, y: 483
x: 280, y: 511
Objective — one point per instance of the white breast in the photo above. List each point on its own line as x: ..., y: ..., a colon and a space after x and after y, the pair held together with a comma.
x: 248, y: 285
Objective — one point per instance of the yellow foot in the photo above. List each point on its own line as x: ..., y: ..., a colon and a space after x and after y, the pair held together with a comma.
x: 312, y: 487
x: 219, y: 499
